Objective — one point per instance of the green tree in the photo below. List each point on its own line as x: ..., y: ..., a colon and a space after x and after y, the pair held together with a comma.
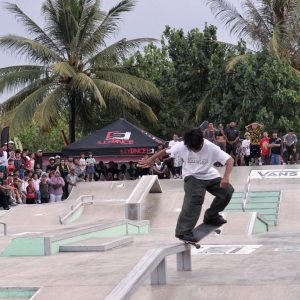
x: 262, y: 88
x: 272, y: 25
x: 72, y: 69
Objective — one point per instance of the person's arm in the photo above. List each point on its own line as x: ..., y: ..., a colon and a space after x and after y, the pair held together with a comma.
x: 228, y: 169
x: 147, y: 163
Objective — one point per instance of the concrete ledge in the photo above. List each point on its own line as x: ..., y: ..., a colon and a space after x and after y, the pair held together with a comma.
x: 97, y: 245
x: 133, y: 207
x: 49, y: 243
x: 18, y: 292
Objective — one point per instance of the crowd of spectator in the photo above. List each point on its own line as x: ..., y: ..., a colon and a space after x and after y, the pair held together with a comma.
x: 26, y: 178
x: 256, y: 147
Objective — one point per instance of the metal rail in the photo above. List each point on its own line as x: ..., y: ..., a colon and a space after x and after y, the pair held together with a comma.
x: 246, y: 194
x: 152, y: 264
x: 73, y: 208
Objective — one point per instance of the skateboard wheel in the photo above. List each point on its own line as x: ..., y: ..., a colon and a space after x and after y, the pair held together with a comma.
x: 197, y: 246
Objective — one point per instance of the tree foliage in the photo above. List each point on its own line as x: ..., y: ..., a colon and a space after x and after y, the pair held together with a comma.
x: 71, y: 66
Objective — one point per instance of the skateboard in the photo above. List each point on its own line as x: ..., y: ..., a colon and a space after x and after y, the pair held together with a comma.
x: 201, y: 231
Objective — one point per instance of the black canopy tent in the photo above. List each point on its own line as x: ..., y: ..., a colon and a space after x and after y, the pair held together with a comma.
x: 118, y: 139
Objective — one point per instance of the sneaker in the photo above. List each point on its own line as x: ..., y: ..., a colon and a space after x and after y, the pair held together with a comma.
x: 219, y: 221
x: 189, y: 237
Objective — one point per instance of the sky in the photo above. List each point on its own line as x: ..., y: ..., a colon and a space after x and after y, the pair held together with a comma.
x: 148, y: 19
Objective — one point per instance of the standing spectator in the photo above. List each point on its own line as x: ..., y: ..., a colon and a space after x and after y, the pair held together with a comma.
x: 254, y: 129
x: 10, y: 147
x: 30, y: 193
x: 26, y: 160
x: 36, y: 183
x: 63, y: 168
x: 275, y: 146
x: 246, y: 148
x: 32, y: 161
x: 169, y: 161
x: 264, y: 148
x: 52, y: 166
x: 44, y: 189
x: 289, y: 146
x: 57, y: 160
x: 19, y: 163
x: 90, y: 162
x: 232, y: 136
x: 3, y: 160
x: 39, y: 159
x: 239, y: 153
x: 82, y: 164
x: 70, y: 163
x: 56, y: 184
x: 72, y: 180
x: 210, y: 133
x: 78, y: 170
x: 174, y: 141
x: 221, y: 138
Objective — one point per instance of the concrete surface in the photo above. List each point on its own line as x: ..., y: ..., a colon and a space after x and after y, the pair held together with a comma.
x: 270, y: 272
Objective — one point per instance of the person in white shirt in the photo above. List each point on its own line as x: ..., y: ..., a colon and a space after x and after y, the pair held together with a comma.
x: 176, y: 164
x: 199, y: 155
x: 246, y: 148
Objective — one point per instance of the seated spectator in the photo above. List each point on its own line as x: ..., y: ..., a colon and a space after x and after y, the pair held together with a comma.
x: 4, y: 199
x: 123, y: 175
x: 30, y: 193
x: 11, y: 166
x: 56, y: 184
x: 160, y: 169
x: 44, y: 189
x: 132, y: 171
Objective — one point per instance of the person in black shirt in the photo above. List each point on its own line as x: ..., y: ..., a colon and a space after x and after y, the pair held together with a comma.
x: 232, y: 136
x: 275, y: 145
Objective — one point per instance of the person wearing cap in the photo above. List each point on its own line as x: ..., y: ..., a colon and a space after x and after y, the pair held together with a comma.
x: 10, y: 147
x: 52, y: 166
x: 57, y: 160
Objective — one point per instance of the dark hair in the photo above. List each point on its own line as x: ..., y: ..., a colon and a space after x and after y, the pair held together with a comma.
x: 193, y: 138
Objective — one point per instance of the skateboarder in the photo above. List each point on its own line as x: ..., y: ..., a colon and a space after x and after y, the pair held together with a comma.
x: 199, y: 156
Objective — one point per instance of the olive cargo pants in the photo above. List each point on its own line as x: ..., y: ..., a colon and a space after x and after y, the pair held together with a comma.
x: 195, y: 190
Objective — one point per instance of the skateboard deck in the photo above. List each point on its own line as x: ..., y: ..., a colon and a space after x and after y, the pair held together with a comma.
x: 201, y: 231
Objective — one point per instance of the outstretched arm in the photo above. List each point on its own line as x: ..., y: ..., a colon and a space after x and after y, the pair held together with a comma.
x: 147, y: 163
x: 225, y: 180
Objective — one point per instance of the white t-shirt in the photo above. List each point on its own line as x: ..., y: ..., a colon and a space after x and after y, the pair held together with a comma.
x: 246, y: 147
x: 173, y: 143
x: 200, y: 164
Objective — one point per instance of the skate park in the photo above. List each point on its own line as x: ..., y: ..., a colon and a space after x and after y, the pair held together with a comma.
x: 115, y: 240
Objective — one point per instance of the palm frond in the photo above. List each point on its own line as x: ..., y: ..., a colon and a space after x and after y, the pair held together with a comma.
x: 203, y: 104
x: 14, y: 81
x: 15, y: 69
x: 83, y: 83
x: 12, y: 102
x: 63, y: 69
x: 139, y: 87
x: 108, y: 26
x: 25, y: 110
x: 33, y: 50
x: 229, y: 15
x: 48, y: 112
x: 38, y: 33
x: 118, y: 51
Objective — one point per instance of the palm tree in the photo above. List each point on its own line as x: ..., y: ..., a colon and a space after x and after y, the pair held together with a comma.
x: 72, y: 69
x: 271, y: 24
